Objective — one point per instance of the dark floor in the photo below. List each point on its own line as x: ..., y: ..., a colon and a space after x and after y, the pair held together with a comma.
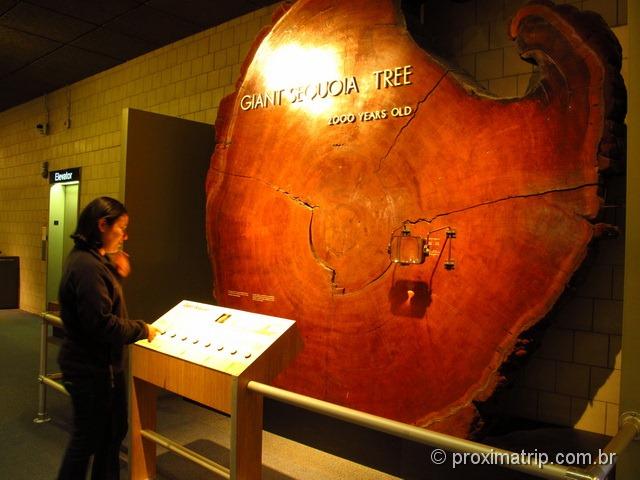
x: 296, y: 445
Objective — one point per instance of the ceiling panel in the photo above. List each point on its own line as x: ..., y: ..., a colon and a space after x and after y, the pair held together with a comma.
x: 70, y: 64
x: 6, y: 5
x: 93, y: 11
x: 18, y: 49
x: 114, y: 44
x: 45, y: 23
x: 21, y: 87
x: 203, y: 12
x: 153, y: 25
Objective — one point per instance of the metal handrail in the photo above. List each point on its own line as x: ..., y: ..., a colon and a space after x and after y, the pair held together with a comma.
x: 629, y: 430
x: 52, y: 319
x: 47, y: 379
x: 187, y: 453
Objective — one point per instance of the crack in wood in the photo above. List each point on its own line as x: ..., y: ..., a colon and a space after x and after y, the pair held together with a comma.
x: 499, y: 200
x: 297, y: 199
x: 317, y: 257
x: 293, y: 197
x: 408, y: 122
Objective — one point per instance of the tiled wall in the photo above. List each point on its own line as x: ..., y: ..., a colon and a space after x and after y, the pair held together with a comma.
x: 185, y: 79
x: 573, y: 378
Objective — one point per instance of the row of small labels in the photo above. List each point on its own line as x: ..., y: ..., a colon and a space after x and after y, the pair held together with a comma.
x: 196, y: 341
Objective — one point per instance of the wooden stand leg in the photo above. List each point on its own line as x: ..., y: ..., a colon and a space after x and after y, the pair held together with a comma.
x: 142, y: 452
x: 246, y: 433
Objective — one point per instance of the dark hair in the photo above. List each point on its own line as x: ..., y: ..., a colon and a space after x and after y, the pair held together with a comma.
x: 87, y: 234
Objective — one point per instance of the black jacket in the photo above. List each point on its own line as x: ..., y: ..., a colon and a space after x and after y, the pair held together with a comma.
x: 94, y: 315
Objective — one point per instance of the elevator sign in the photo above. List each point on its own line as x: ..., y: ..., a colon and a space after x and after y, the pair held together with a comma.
x: 64, y: 176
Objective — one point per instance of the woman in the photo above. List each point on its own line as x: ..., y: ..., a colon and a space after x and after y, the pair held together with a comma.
x: 96, y: 329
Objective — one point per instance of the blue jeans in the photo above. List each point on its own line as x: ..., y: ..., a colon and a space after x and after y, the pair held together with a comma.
x: 99, y: 426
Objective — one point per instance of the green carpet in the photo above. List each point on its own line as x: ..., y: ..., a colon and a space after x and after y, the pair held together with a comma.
x: 29, y: 451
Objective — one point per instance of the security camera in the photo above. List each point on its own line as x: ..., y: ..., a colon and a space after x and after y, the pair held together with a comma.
x: 43, y: 128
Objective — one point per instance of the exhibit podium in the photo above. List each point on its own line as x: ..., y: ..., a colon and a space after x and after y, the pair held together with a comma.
x: 208, y: 354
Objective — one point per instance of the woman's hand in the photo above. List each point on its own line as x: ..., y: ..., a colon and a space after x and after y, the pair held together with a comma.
x: 121, y: 261
x: 152, y: 332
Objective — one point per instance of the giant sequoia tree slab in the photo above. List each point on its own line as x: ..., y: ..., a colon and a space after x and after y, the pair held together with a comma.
x: 341, y: 131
